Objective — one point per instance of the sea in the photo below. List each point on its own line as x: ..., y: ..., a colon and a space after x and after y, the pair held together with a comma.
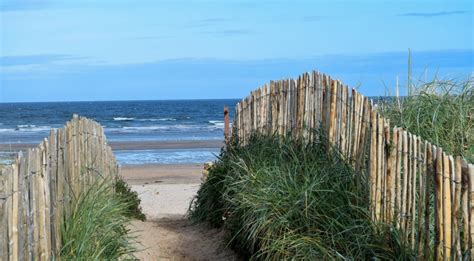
x: 125, y: 121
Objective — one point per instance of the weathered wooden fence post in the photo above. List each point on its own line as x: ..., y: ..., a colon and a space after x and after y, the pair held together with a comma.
x: 226, y: 125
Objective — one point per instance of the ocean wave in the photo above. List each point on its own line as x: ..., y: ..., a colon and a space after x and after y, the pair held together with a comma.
x: 28, y: 128
x: 144, y: 128
x: 35, y: 129
x: 217, y: 124
x: 123, y: 119
x: 161, y: 119
x: 165, y: 128
x: 134, y: 119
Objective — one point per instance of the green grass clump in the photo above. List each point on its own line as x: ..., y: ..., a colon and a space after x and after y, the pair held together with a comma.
x: 285, y: 199
x: 96, y: 228
x: 123, y: 190
x: 439, y: 111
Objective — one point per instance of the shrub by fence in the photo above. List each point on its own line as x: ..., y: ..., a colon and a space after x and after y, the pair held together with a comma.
x: 35, y: 191
x: 424, y: 192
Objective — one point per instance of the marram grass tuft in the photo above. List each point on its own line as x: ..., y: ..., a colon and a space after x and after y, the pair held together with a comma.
x: 440, y: 111
x: 280, y: 198
x: 97, y: 226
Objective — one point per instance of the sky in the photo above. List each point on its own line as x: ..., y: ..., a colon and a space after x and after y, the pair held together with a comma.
x: 82, y: 50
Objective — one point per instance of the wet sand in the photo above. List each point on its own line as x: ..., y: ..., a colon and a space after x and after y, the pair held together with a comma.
x: 162, y: 174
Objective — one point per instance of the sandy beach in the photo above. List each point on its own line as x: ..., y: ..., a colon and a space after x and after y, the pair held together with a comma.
x: 162, y: 174
x: 166, y: 192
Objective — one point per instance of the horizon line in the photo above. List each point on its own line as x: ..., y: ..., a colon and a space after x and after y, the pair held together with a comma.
x: 192, y: 99
x: 138, y: 100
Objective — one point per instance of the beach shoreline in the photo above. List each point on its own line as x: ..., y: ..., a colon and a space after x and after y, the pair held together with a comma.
x: 148, y: 174
x: 141, y: 152
x: 135, y: 145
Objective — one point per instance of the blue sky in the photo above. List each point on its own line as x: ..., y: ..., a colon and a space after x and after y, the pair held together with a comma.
x: 62, y: 50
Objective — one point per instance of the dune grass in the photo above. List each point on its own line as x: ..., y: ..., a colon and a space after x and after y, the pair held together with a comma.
x: 96, y: 228
x: 280, y: 198
x: 123, y: 190
x: 440, y: 111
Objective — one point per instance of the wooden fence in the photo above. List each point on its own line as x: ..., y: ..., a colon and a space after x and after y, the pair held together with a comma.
x: 36, y: 190
x: 426, y: 193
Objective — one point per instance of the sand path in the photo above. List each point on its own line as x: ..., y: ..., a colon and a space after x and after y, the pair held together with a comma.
x: 166, y: 191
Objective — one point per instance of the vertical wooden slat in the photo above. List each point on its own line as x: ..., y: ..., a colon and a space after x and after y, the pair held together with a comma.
x: 226, y: 125
x: 405, y: 194
x: 349, y: 116
x: 327, y: 103
x: 288, y: 96
x: 281, y: 111
x: 34, y: 191
x: 364, y: 110
x: 318, y: 88
x: 344, y: 133
x: 350, y: 126
x: 383, y: 132
x: 471, y: 179
x: 309, y: 106
x: 268, y: 121
x: 380, y: 172
x: 360, y: 135
x: 429, y: 173
x: 9, y: 204
x: 457, y: 207
x: 447, y: 205
x: 285, y: 98
x: 421, y: 160
x: 373, y: 162
x: 60, y: 183
x: 23, y: 231
x: 413, y: 174
x: 338, y: 124
x: 390, y: 192
x: 53, y: 168
x: 355, y: 124
x: 76, y: 156
x: 47, y: 197
x: 439, y: 220
x: 466, y: 211
x: 259, y: 110
x: 332, y: 112
x: 15, y: 210
x: 409, y: 198
x: 293, y: 104
x: 3, y: 215
x: 398, y: 142
x: 275, y: 107
x: 300, y: 104
x: 40, y: 203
